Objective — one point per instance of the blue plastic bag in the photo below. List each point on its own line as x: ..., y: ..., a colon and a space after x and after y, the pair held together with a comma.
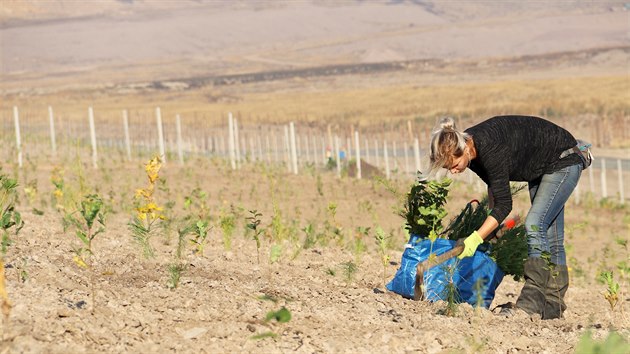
x: 476, y: 277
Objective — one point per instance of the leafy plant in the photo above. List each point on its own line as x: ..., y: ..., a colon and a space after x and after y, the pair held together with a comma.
x: 612, y: 292
x: 90, y: 212
x: 451, y: 292
x: 349, y: 270
x: 253, y: 224
x: 358, y: 244
x: 469, y: 219
x: 310, y: 238
x: 332, y: 229
x: 146, y: 221
x: 382, y: 242
x: 281, y: 316
x: 9, y: 219
x: 275, y: 252
x: 424, y: 209
x: 509, y: 250
x: 198, y: 201
x: 613, y: 343
x: 6, y: 305
x: 30, y: 190
x: 175, y: 271
x: 200, y: 233
x: 227, y: 222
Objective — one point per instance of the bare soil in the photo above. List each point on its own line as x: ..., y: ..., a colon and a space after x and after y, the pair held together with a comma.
x: 123, y: 304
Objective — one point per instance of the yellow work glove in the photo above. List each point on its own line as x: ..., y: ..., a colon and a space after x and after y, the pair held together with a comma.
x: 470, y: 245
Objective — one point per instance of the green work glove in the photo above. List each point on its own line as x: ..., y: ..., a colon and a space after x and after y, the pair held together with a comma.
x: 470, y: 245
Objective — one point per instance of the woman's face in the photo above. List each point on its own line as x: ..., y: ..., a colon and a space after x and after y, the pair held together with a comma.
x: 459, y: 164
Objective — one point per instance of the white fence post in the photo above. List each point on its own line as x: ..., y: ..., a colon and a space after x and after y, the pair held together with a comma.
x: 357, y: 145
x: 293, y: 148
x: 93, y: 137
x: 287, y: 148
x: 416, y: 152
x: 268, y: 145
x: 406, y: 158
x: 126, y: 131
x: 387, y: 173
x: 231, y: 141
x: 378, y: 162
x: 337, y: 157
x: 276, y: 150
x: 237, y: 144
x: 178, y: 129
x: 260, y: 148
x: 620, y: 175
x: 53, y: 141
x: 158, y: 115
x: 395, y: 154
x: 18, y: 138
x: 603, y: 176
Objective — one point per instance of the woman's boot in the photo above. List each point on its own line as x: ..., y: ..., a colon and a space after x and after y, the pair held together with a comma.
x: 554, y: 293
x: 532, y: 299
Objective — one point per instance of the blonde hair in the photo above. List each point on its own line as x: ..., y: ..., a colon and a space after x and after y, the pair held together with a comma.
x: 447, y: 143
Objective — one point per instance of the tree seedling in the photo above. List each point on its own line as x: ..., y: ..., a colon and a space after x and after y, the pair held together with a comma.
x: 146, y: 221
x: 612, y: 292
x: 9, y: 219
x: 382, y: 241
x: 253, y: 224
x: 227, y: 222
x: 90, y: 213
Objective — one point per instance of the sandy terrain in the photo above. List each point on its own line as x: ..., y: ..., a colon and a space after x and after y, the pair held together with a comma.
x: 140, y: 38
x: 125, y: 305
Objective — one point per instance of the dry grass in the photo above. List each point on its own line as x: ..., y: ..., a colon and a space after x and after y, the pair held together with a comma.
x: 344, y: 101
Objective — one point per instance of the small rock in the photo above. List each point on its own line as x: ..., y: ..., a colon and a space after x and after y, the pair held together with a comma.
x: 192, y: 333
x: 61, y: 313
x: 251, y: 328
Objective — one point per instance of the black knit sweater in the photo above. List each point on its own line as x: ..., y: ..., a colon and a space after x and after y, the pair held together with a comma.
x: 517, y: 148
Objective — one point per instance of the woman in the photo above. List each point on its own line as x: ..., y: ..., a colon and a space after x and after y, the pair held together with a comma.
x: 533, y: 150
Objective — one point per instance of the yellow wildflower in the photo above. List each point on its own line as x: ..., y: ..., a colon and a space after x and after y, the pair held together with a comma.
x: 80, y: 262
x: 144, y: 193
x: 152, y: 168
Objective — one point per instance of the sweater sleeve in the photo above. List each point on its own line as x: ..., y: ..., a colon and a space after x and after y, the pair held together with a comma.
x: 499, y: 182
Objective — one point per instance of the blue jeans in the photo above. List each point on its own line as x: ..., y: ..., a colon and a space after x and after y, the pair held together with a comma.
x: 545, y: 220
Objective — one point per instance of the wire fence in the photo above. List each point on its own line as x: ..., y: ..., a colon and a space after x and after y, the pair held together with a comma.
x: 398, y: 154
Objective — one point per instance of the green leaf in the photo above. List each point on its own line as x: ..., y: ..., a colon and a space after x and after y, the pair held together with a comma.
x: 275, y: 253
x: 5, y: 220
x: 282, y: 316
x: 81, y: 235
x: 266, y: 297
x: 265, y: 335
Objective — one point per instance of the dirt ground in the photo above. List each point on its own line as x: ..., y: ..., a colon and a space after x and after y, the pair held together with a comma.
x: 123, y: 304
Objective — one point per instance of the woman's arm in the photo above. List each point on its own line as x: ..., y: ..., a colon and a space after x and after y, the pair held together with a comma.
x: 488, y: 226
